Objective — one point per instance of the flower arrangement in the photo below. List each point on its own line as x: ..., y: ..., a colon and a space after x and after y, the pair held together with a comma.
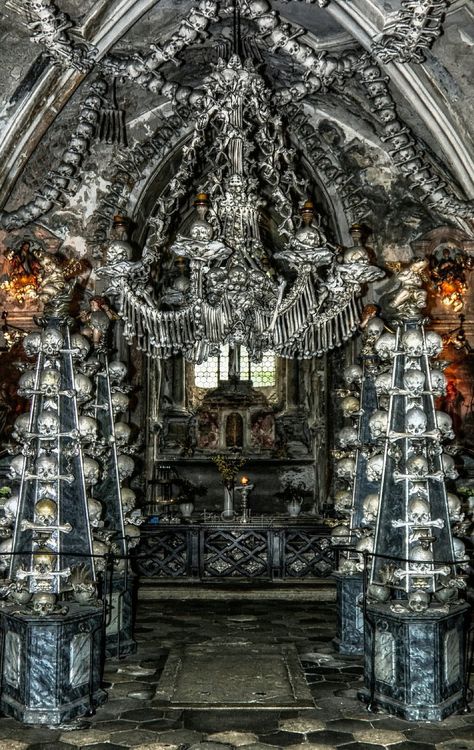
x: 228, y: 467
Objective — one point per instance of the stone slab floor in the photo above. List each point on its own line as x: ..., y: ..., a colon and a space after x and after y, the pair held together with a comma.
x: 131, y: 717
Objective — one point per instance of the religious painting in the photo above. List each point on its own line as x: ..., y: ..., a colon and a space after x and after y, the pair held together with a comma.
x: 262, y: 430
x: 208, y: 430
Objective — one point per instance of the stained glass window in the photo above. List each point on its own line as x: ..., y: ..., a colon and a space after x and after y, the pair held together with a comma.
x: 262, y: 374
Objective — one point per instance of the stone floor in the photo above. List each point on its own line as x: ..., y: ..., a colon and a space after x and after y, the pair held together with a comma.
x: 132, y: 718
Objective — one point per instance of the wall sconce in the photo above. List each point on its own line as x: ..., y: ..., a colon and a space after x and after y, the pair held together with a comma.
x: 448, y: 275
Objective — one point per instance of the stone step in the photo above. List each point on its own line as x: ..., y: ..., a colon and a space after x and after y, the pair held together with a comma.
x: 318, y: 589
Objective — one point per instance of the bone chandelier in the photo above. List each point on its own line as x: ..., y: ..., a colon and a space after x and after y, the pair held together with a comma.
x: 232, y: 291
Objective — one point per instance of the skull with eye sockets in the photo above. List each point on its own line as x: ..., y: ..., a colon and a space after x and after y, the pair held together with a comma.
x: 385, y: 346
x: 21, y: 427
x: 347, y: 437
x: 378, y: 424
x: 87, y: 429
x: 32, y: 344
x: 352, y: 374
x: 418, y: 601
x: 374, y: 468
x: 80, y: 347
x: 414, y: 381
x: 412, y: 343
x: 416, y: 422
x: 444, y: 424
x: 46, y: 468
x: 370, y: 505
x: 50, y: 382
x: 51, y: 341
x: 48, y: 424
x: 350, y: 406
x: 345, y: 469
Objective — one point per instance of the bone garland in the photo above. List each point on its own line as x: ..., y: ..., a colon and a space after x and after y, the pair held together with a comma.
x: 65, y: 179
x: 413, y: 30
x: 50, y: 28
x: 406, y: 154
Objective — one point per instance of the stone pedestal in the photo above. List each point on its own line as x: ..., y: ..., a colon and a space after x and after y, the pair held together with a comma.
x: 52, y: 665
x: 350, y: 618
x: 119, y: 640
x: 415, y: 663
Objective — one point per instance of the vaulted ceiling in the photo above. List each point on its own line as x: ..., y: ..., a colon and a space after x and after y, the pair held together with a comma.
x: 378, y: 97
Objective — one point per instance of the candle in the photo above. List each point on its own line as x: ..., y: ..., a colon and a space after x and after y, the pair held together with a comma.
x: 244, y: 481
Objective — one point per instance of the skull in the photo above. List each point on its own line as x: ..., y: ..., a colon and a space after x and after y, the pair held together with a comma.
x: 414, y: 381
x: 5, y: 558
x: 91, y: 471
x: 422, y: 557
x: 374, y: 468
x: 416, y: 421
x: 48, y: 424
x: 87, y: 429
x: 117, y: 371
x: 342, y: 500
x: 418, y: 509
x: 374, y: 328
x: 352, y: 374
x: 345, y: 469
x: 412, y: 343
x: 454, y: 507
x: 383, y: 383
x: 449, y: 467
x: 21, y: 427
x: 266, y: 23
x: 26, y: 383
x: 347, y: 437
x: 385, y: 346
x: 340, y: 535
x: 350, y: 406
x: 126, y: 466
x: 433, y: 343
x: 90, y: 366
x: 94, y: 508
x: 43, y: 561
x: 122, y: 433
x: 132, y: 535
x: 378, y: 424
x: 17, y: 467
x: 459, y: 550
x: 365, y: 543
x: 128, y: 499
x: 46, y: 512
x: 50, y: 381
x: 370, y: 505
x: 444, y: 424
x: 418, y: 601
x: 51, y: 341
x: 371, y: 72
x: 10, y: 507
x: 83, y: 386
x: 417, y: 466
x: 32, y: 344
x: 438, y: 382
x: 46, y: 468
x: 100, y: 549
x: 119, y: 402
x: 44, y: 603
x: 79, y: 346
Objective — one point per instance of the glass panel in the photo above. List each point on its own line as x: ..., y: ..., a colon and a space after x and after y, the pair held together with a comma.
x: 205, y: 374
x: 263, y: 373
x: 244, y: 364
x: 224, y: 363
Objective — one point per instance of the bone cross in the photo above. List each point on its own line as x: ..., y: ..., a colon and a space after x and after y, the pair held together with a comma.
x: 65, y: 528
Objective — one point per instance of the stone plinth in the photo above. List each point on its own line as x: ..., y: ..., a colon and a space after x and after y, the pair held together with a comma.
x: 52, y: 665
x: 119, y: 630
x: 350, y: 618
x: 415, y: 663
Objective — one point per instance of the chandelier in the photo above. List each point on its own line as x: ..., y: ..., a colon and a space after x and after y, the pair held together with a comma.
x: 299, y: 301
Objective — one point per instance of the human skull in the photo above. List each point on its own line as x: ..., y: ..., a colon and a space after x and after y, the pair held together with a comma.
x: 44, y: 603
x: 342, y: 500
x: 414, y: 381
x: 50, y: 381
x: 418, y: 601
x: 90, y: 366
x: 83, y: 386
x: 347, y: 437
x: 10, y: 506
x: 21, y: 427
x: 383, y: 383
x: 119, y: 402
x: 415, y: 421
x: 51, y: 341
x: 91, y: 471
x: 94, y: 508
x: 128, y: 499
x: 80, y: 346
x: 6, y: 547
x: 117, y: 371
x: 87, y: 429
x: 378, y: 424
x: 350, y: 406
x: 444, y: 424
x: 454, y: 507
x: 352, y: 374
x: 433, y: 343
x: 345, y: 469
x: 459, y: 550
x: 449, y: 467
x: 48, y: 424
x: 126, y: 466
x: 418, y: 509
x: 46, y: 512
x: 374, y: 328
x: 374, y: 468
x: 365, y: 543
x: 421, y: 556
x: 417, y: 466
x: 340, y: 535
x: 101, y: 551
x: 26, y: 383
x: 266, y: 23
x: 32, y: 344
x: 17, y: 467
x: 46, y: 468
x: 438, y: 382
x: 122, y: 433
x: 412, y: 343
x: 132, y: 535
x: 385, y: 346
x: 370, y: 505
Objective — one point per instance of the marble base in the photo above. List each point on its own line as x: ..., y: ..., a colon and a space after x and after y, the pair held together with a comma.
x: 415, y: 663
x: 350, y: 618
x: 51, y: 666
x: 119, y: 640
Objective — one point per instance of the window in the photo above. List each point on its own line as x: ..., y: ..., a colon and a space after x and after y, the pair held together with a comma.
x: 262, y: 374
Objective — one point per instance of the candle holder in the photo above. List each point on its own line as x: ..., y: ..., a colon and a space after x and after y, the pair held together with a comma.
x: 244, y: 488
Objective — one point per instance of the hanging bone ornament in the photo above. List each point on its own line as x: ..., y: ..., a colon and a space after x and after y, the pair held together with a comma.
x: 345, y: 469
x: 126, y: 466
x: 375, y: 468
x: 352, y: 374
x: 350, y: 406
x: 385, y: 346
x: 51, y: 341
x: 370, y: 505
x: 91, y: 471
x: 445, y: 424
x: 80, y: 346
x: 449, y: 467
x: 378, y: 424
x: 412, y: 343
